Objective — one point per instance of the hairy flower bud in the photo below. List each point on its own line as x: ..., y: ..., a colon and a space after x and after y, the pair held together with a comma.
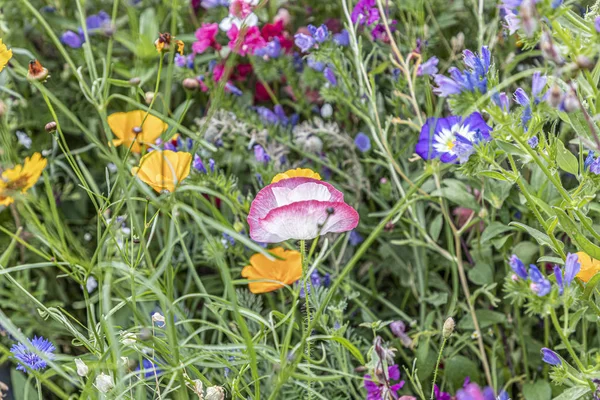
x: 82, y: 369
x: 190, y: 84
x: 584, y: 63
x: 135, y: 81
x: 215, y: 393
x: 104, y: 383
x: 50, y: 127
x: 571, y: 102
x: 448, y: 328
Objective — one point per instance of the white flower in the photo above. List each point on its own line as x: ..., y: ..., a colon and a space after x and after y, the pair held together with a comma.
x: 215, y: 393
x: 230, y: 20
x: 82, y: 369
x: 128, y: 338
x: 104, y: 383
x: 23, y: 139
x: 326, y: 110
x: 157, y: 317
x: 91, y: 284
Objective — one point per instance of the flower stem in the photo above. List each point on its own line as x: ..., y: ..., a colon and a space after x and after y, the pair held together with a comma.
x: 305, y: 278
x: 437, y: 366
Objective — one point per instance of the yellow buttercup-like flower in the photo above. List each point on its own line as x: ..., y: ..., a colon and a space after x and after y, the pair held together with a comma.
x: 164, y: 41
x: 5, y: 55
x: 296, y: 173
x: 589, y: 266
x: 21, y: 178
x: 288, y: 270
x: 163, y: 170
x: 128, y: 127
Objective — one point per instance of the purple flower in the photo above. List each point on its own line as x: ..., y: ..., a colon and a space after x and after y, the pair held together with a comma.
x: 320, y: 34
x: 572, y: 267
x: 330, y: 76
x: 559, y: 279
x: 595, y: 167
x: 472, y: 391
x: 355, y: 238
x: 211, y: 164
x: 229, y: 87
x: 214, y: 3
x: 365, y: 12
x: 304, y: 42
x: 452, y: 138
x: 184, y: 61
x: 429, y: 67
x: 597, y: 24
x: 533, y: 142
x: 267, y: 116
x: 261, y: 155
x: 517, y: 266
x: 538, y: 83
x: 503, y: 395
x: 588, y: 160
x: 342, y: 38
x: 72, y: 39
x: 29, y: 359
x: 502, y: 101
x: 271, y: 50
x: 362, y: 142
x: 199, y: 165
x: 314, y: 64
x: 550, y: 357
x: 380, y: 390
x: 149, y: 369
x: 439, y: 395
x: 380, y: 33
x: 539, y: 284
x: 100, y: 22
x: 473, y: 78
x: 521, y: 97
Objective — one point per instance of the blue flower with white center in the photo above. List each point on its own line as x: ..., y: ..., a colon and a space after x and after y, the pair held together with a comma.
x: 517, y: 266
x: 29, y: 359
x: 539, y: 284
x: 452, y: 139
x: 473, y: 78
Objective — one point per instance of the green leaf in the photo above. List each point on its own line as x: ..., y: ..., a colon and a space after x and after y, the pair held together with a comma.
x: 566, y: 160
x: 572, y: 230
x: 511, y: 148
x: 482, y: 274
x: 494, y: 175
x: 590, y: 286
x: 539, y: 236
x: 573, y: 393
x: 493, y: 230
x: 458, y: 368
x: 484, y: 317
x: 344, y: 342
x: 539, y: 390
x: 436, y: 227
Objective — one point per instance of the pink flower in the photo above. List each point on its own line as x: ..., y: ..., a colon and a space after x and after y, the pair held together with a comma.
x: 218, y: 72
x: 206, y: 38
x: 299, y: 208
x: 240, y: 8
x: 252, y: 40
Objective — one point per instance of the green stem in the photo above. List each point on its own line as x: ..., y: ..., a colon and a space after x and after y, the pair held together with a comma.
x: 565, y: 340
x: 437, y: 366
x: 305, y: 278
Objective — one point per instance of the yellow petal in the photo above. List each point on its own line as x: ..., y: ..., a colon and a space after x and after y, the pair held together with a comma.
x: 288, y: 270
x: 5, y: 55
x: 163, y: 170
x: 123, y: 125
x: 589, y: 266
x: 296, y: 173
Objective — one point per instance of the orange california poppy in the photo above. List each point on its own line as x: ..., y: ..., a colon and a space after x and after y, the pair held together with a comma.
x: 589, y: 266
x: 163, y: 170
x: 21, y: 178
x: 287, y: 271
x: 296, y: 173
x: 128, y: 128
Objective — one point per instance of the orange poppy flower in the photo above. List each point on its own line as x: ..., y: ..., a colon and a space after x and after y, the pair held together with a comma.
x: 163, y: 170
x: 296, y: 173
x: 589, y: 266
x: 128, y: 127
x: 21, y: 178
x: 287, y: 271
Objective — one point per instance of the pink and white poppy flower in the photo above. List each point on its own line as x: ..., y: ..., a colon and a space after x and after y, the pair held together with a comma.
x: 299, y: 208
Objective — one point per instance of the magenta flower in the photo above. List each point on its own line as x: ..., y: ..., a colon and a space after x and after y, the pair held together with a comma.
x: 240, y: 8
x: 206, y: 38
x: 365, y: 12
x: 251, y: 41
x: 377, y: 390
x: 299, y: 208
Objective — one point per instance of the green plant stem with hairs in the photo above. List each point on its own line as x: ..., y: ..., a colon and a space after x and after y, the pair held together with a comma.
x: 437, y: 367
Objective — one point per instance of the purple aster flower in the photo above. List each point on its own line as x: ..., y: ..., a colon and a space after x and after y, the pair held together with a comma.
x: 362, y: 142
x: 261, y: 155
x: 271, y: 50
x: 502, y: 101
x: 572, y: 267
x: 72, y: 39
x: 550, y: 357
x: 440, y: 136
x: 429, y: 67
x: 314, y: 64
x: 320, y: 34
x: 597, y: 24
x: 539, y: 284
x: 559, y: 279
x: 304, y: 42
x: 231, y: 88
x: 29, y: 359
x: 379, y: 390
x: 355, y: 237
x: 330, y: 76
x: 342, y: 38
x: 365, y: 12
x: 199, y: 165
x: 533, y: 142
x: 380, y: 33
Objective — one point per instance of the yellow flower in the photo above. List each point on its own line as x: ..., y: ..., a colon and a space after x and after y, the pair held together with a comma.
x: 5, y: 55
x: 164, y: 43
x: 163, y: 170
x: 21, y: 178
x: 296, y: 173
x: 127, y: 126
x: 589, y: 266
x: 287, y: 271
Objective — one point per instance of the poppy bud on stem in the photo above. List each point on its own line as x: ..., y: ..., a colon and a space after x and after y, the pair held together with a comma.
x: 37, y: 72
x: 50, y: 127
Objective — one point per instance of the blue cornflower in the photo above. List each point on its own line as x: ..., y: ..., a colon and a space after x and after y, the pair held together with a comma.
x: 501, y: 100
x: 550, y: 357
x: 342, y: 38
x: 539, y: 284
x: 452, y: 139
x: 533, y: 142
x: 429, y: 67
x: 304, y: 42
x: 260, y: 154
x: 362, y: 142
x: 517, y: 266
x: 71, y: 39
x: 330, y: 76
x: 29, y: 359
x: 473, y: 78
x: 320, y: 34
x: 355, y: 238
x: 199, y: 165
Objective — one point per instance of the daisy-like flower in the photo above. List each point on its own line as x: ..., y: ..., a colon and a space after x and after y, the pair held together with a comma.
x: 5, y: 55
x: 589, y: 266
x: 274, y: 273
x: 21, y: 178
x: 163, y: 170
x: 29, y: 359
x: 164, y: 41
x: 452, y: 138
x: 299, y: 208
x: 132, y: 130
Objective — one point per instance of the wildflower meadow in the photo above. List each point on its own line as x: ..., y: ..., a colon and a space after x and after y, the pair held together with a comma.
x: 300, y: 199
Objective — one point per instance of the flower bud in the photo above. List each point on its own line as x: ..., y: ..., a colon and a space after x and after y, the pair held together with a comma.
x: 157, y: 317
x: 215, y: 393
x: 50, y: 127
x: 135, y: 81
x: 37, y: 72
x: 104, y: 383
x: 556, y: 96
x: 326, y: 110
x: 82, y: 369
x: 145, y: 334
x: 148, y: 97
x: 448, y: 328
x: 190, y: 84
x: 571, y: 102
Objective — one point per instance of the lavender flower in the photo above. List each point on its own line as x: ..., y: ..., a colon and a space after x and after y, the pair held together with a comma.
x: 588, y: 160
x: 320, y: 34
x: 330, y: 76
x: 71, y: 39
x: 342, y: 38
x: 550, y: 357
x: 559, y: 279
x: 314, y: 64
x: 261, y: 155
x: 184, y: 61
x: 211, y: 164
x: 271, y: 50
x: 304, y: 42
x: 429, y: 67
x: 362, y: 142
x: 533, y: 142
x: 572, y: 267
x: 597, y: 24
x: 365, y: 12
x: 199, y: 165
x: 473, y: 78
x: 29, y: 359
x: 267, y: 116
x: 355, y: 238
x: 539, y: 284
x: 149, y: 368
x: 502, y: 101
